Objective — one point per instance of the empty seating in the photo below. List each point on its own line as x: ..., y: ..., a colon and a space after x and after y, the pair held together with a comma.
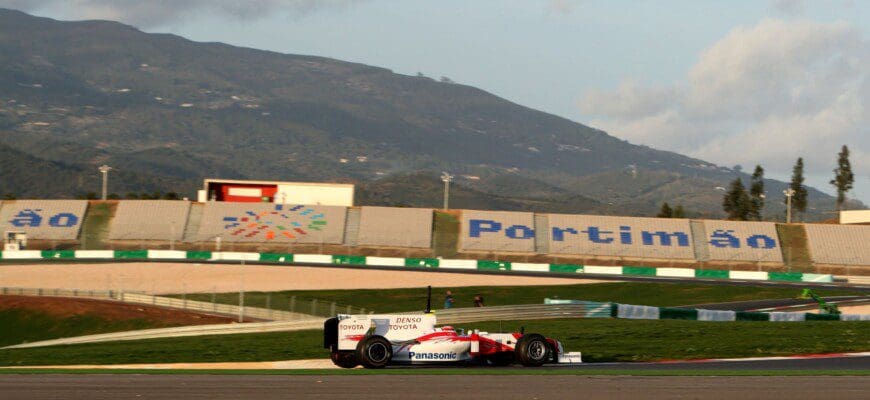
x: 44, y: 219
x: 742, y: 241
x: 497, y: 231
x: 620, y: 236
x: 269, y: 222
x: 395, y: 227
x: 839, y: 244
x: 149, y: 220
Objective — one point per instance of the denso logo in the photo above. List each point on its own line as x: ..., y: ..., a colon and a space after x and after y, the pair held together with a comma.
x: 432, y: 356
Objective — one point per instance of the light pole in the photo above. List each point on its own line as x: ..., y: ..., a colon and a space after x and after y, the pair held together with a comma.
x: 104, y: 169
x: 788, y: 195
x: 446, y: 178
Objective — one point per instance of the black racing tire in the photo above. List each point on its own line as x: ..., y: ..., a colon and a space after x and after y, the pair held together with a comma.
x: 502, y: 359
x: 374, y: 352
x: 532, y: 350
x: 344, y: 359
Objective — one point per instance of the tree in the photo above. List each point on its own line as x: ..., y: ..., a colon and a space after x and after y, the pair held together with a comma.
x: 132, y: 195
x: 799, y: 200
x: 736, y: 202
x: 666, y: 211
x: 679, y: 212
x: 843, y: 177
x: 756, y: 193
x: 113, y: 196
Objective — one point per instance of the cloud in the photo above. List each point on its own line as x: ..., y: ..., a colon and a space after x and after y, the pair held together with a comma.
x: 156, y: 13
x: 763, y: 94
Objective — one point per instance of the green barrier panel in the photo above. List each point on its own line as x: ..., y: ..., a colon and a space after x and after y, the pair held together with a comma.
x: 678, y: 313
x: 785, y: 276
x: 821, y: 317
x: 349, y: 260
x: 198, y: 255
x: 494, y: 265
x: 131, y: 254
x: 642, y: 271
x: 276, y: 257
x: 711, y: 274
x: 1, y: 255
x: 58, y: 254
x: 566, y: 268
x: 421, y: 262
x: 751, y: 316
x: 614, y: 310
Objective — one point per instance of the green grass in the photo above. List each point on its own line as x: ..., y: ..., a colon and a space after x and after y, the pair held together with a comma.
x: 640, y: 293
x: 796, y: 252
x: 446, y: 228
x: 600, y: 340
x: 20, y: 326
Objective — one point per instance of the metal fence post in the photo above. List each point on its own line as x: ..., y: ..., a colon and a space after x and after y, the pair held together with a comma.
x: 293, y: 304
x: 269, y: 304
x: 314, y: 307
x: 332, y: 309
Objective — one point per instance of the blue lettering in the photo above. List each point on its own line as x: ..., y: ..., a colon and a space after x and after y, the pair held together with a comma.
x: 722, y: 238
x: 595, y: 235
x: 664, y: 238
x: 63, y: 220
x: 476, y: 226
x: 527, y: 233
x: 559, y: 234
x: 27, y: 217
x: 625, y: 234
x: 766, y: 242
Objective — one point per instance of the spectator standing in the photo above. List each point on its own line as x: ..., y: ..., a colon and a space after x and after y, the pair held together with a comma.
x: 448, y: 300
x: 478, y: 300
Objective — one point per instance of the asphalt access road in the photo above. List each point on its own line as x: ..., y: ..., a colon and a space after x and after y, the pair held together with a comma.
x: 758, y: 304
x: 362, y: 387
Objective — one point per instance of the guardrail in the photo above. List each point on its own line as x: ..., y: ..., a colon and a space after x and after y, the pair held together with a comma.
x: 586, y: 309
x: 411, y: 263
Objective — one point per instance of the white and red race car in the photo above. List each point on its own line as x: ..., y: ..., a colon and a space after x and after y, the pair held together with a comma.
x: 375, y: 341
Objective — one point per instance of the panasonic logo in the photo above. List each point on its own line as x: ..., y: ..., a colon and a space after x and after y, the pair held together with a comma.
x: 432, y: 356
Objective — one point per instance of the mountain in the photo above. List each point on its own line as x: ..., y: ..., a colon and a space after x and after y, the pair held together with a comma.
x: 80, y: 94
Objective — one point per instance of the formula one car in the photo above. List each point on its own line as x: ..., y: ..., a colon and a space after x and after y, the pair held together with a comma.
x: 375, y: 341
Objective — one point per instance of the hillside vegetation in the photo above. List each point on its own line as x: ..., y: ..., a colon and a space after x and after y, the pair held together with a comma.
x: 167, y: 112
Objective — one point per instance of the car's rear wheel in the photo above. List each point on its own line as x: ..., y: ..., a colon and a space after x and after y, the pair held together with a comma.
x: 344, y: 359
x: 374, y: 352
x: 532, y: 350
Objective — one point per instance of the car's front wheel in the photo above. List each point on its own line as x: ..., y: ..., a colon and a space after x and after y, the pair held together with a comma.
x: 374, y: 352
x: 532, y: 350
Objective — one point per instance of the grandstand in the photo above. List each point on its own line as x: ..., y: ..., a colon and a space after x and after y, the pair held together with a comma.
x: 839, y: 244
x: 395, y: 227
x: 497, y: 231
x: 652, y: 238
x: 149, y: 220
x: 410, y: 232
x: 272, y: 223
x: 742, y: 241
x: 44, y: 219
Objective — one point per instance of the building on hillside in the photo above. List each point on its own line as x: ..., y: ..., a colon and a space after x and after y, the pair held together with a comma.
x: 242, y: 191
x: 855, y: 217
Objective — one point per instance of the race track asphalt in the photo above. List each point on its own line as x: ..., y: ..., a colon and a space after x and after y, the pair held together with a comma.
x: 412, y: 387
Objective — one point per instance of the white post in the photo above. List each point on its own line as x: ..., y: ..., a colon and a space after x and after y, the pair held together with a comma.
x: 788, y: 195
x: 446, y: 178
x: 104, y: 169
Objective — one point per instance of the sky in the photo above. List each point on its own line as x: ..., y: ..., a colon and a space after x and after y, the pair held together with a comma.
x: 731, y: 82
